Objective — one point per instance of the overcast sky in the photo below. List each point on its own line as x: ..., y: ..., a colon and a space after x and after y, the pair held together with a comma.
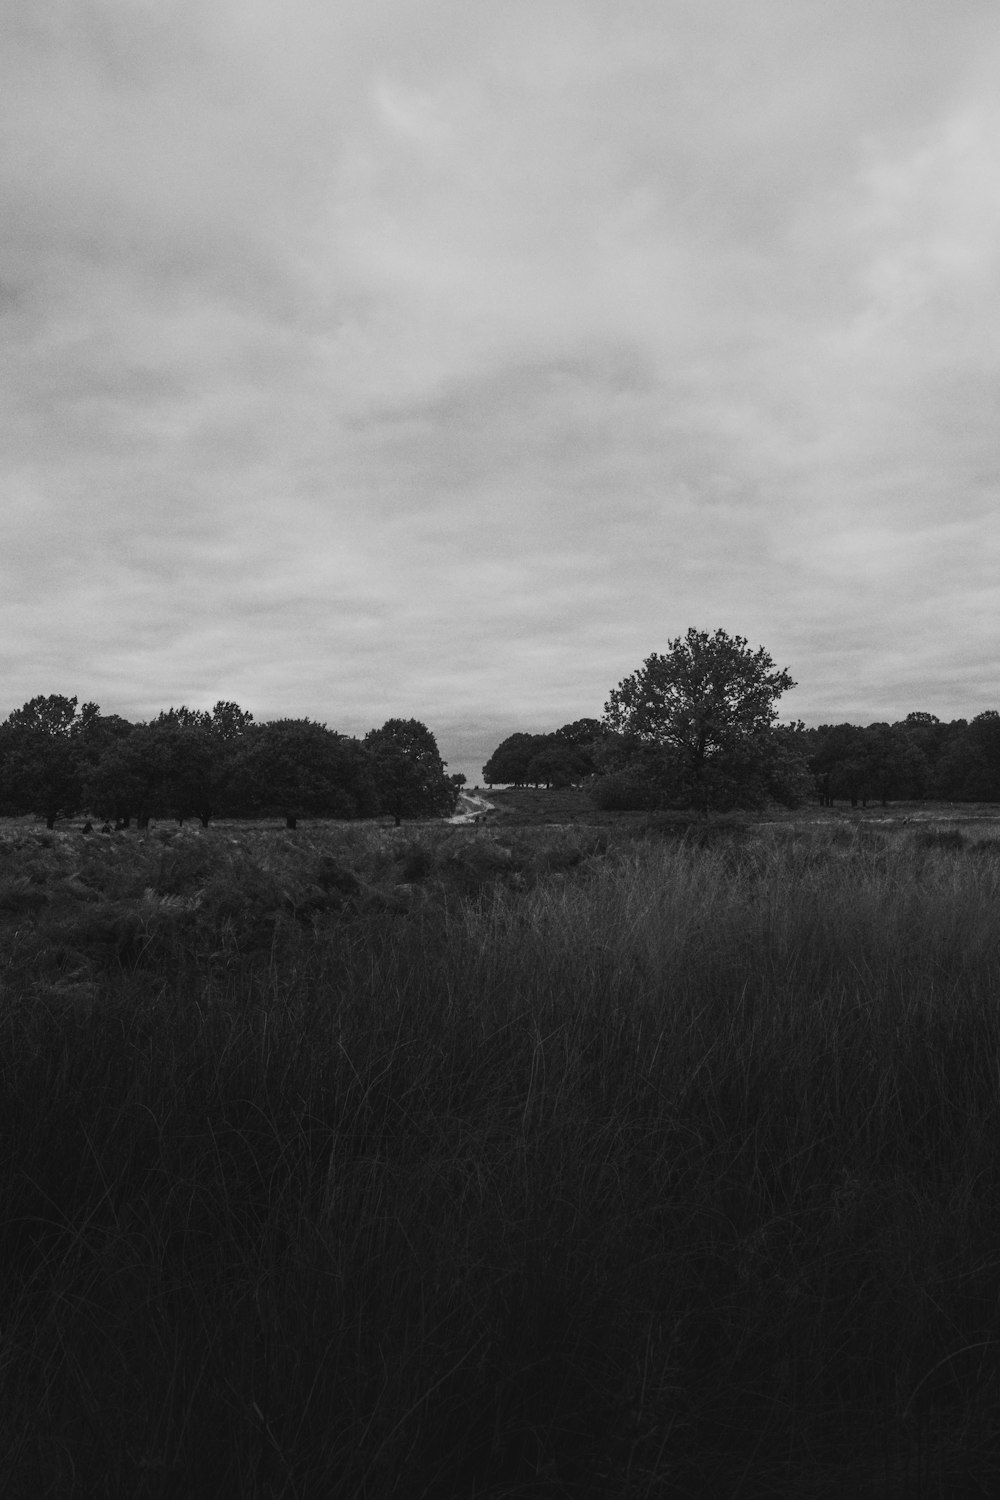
x: 444, y: 359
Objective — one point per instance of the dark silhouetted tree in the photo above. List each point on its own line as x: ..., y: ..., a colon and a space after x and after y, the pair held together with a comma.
x: 557, y: 765
x: 508, y: 765
x: 409, y: 773
x: 295, y: 768
x: 41, y: 768
x: 707, y: 707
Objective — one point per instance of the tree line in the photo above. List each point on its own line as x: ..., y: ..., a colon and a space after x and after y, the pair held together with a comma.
x: 58, y: 759
x: 697, y: 727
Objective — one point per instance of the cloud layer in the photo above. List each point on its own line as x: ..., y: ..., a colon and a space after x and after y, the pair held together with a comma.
x: 446, y: 360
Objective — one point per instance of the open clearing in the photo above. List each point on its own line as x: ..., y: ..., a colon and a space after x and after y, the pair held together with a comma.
x: 551, y: 1157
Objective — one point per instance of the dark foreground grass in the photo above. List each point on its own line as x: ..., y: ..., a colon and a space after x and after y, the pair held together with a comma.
x: 557, y: 1169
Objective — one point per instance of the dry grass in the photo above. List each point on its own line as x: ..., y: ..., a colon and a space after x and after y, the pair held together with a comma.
x: 450, y: 1162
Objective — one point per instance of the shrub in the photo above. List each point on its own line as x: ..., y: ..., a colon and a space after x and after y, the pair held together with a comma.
x: 418, y: 862
x: 620, y: 792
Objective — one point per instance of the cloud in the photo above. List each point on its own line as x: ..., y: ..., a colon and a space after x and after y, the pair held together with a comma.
x: 446, y: 361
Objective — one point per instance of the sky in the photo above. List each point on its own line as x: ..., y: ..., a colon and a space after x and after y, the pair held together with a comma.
x: 444, y: 359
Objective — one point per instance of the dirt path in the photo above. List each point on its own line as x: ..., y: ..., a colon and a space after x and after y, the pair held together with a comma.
x: 472, y: 807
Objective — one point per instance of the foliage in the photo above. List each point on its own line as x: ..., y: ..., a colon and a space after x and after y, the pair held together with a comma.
x: 562, y: 758
x: 556, y: 765
x: 181, y: 763
x: 297, y: 767
x: 191, y: 771
x: 707, y: 707
x: 408, y: 772
x: 624, y: 791
x: 53, y: 716
x: 124, y: 782
x: 763, y: 769
x: 508, y: 765
x: 56, y: 758
x: 915, y: 758
x: 40, y: 758
x: 581, y: 733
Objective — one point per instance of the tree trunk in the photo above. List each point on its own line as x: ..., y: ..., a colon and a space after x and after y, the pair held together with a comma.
x: 291, y: 821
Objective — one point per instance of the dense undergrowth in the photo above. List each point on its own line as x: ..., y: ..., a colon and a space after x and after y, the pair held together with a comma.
x: 442, y: 1163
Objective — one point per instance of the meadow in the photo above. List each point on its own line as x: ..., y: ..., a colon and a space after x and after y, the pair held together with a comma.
x: 627, y: 1158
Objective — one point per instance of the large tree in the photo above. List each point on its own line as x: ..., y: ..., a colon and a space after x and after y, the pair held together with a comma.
x: 509, y: 764
x: 409, y: 773
x: 125, y: 781
x: 296, y: 767
x: 41, y: 758
x: 203, y: 752
x: 706, y: 709
x: 180, y: 764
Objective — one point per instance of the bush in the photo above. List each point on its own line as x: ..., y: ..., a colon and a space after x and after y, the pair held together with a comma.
x: 418, y: 862
x: 620, y: 792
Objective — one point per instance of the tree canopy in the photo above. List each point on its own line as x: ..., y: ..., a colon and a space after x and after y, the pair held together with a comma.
x: 409, y: 774
x: 561, y: 758
x: 706, y: 708
x: 296, y: 768
x: 40, y: 758
x: 694, y: 726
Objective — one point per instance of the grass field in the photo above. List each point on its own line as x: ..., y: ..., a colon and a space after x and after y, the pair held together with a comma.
x: 626, y: 1158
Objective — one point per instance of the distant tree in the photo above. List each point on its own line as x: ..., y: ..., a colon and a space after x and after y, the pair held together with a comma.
x: 766, y: 768
x: 189, y: 781
x: 925, y: 737
x: 295, y: 768
x: 837, y: 761
x: 40, y: 759
x: 129, y: 778
x: 458, y: 779
x: 200, y: 753
x: 508, y: 765
x: 540, y: 759
x: 408, y: 771
x: 985, y: 732
x: 892, y: 761
x: 581, y: 732
x: 969, y: 769
x: 557, y: 765
x: 53, y: 715
x: 96, y: 732
x: 585, y: 737
x: 915, y: 769
x: 708, y: 708
x: 229, y: 723
x: 180, y: 764
x: 954, y: 761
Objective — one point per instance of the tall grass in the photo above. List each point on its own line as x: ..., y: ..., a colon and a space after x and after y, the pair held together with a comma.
x: 671, y: 1171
